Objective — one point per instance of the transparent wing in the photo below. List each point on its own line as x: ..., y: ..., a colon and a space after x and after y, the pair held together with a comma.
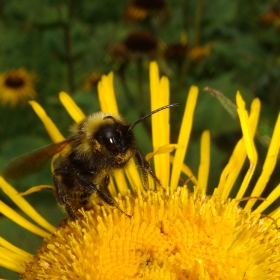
x: 34, y: 161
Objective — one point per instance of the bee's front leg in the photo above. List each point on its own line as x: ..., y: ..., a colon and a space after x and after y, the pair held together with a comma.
x: 105, y: 184
x: 146, y: 168
x: 90, y: 187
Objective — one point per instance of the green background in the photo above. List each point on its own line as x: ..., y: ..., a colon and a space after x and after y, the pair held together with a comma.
x: 64, y: 41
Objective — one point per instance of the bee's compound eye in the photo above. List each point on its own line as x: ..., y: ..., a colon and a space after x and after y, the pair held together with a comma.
x: 110, y: 139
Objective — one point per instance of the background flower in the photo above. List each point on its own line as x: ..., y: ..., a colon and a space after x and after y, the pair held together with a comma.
x: 17, y: 86
x: 64, y: 41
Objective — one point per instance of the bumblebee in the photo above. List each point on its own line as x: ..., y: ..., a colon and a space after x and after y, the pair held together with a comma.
x: 102, y: 143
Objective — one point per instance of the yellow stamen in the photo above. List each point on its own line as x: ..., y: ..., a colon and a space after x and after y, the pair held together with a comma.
x: 51, y: 128
x: 71, y: 107
x: 177, y: 234
x: 24, y: 205
x: 204, y: 166
x: 184, y: 136
x: 14, y: 216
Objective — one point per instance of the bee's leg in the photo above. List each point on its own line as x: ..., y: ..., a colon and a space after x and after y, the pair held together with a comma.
x: 71, y: 212
x: 62, y: 196
x: 89, y: 186
x: 146, y: 168
x: 105, y: 184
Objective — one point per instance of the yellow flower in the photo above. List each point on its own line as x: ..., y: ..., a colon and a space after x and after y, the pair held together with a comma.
x: 173, y: 233
x: 140, y: 41
x: 199, y: 52
x: 140, y: 9
x: 17, y: 86
x: 91, y: 81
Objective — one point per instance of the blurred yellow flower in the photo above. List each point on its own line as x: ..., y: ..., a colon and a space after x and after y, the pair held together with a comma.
x: 173, y: 233
x: 199, y: 52
x: 140, y: 9
x: 91, y: 81
x: 17, y: 86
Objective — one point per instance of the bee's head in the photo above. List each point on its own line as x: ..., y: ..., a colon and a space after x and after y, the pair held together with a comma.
x: 115, y: 136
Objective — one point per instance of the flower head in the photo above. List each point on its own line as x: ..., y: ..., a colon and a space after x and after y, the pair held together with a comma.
x: 174, y: 233
x: 141, y: 42
x: 91, y: 81
x: 140, y: 9
x: 271, y: 16
x: 199, y: 52
x: 17, y: 86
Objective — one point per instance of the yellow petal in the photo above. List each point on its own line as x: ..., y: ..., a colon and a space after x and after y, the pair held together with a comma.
x: 12, y: 257
x: 276, y: 216
x: 14, y: 216
x: 106, y: 94
x: 120, y: 181
x: 7, y: 261
x: 160, y: 122
x: 248, y: 141
x: 51, y: 128
x: 269, y: 164
x: 133, y: 177
x: 232, y: 170
x: 184, y: 136
x: 36, y: 189
x: 24, y: 205
x: 108, y: 103
x: 71, y: 107
x: 275, y: 194
x: 9, y: 246
x: 187, y: 171
x: 204, y: 166
x: 166, y: 149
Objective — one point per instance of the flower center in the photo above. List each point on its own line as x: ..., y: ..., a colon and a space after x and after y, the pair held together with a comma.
x: 14, y: 82
x: 141, y: 41
x: 147, y: 4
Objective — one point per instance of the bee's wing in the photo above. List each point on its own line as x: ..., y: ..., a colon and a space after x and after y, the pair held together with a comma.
x: 34, y: 161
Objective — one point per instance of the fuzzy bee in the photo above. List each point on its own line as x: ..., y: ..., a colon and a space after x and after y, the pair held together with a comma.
x: 102, y: 143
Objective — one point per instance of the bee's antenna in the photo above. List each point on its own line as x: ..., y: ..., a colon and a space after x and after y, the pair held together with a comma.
x: 153, y: 112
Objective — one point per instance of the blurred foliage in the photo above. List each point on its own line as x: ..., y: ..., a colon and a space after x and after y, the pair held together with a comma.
x: 226, y: 45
